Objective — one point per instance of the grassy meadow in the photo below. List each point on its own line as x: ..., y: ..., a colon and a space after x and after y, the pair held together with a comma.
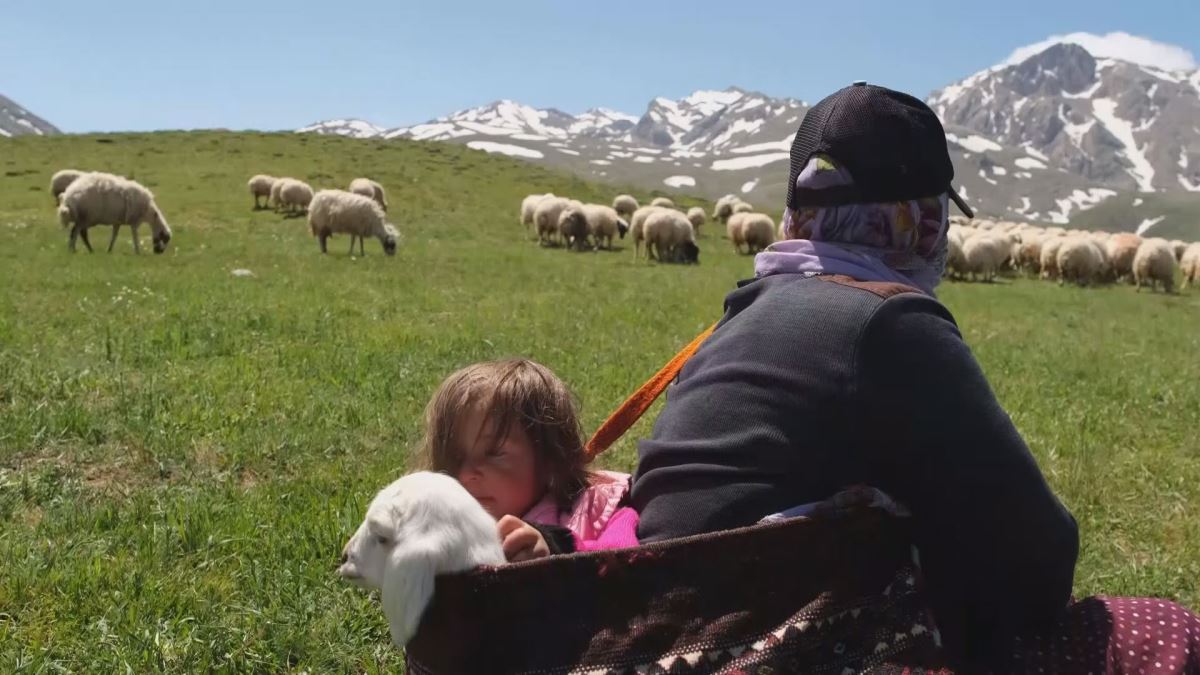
x: 183, y: 452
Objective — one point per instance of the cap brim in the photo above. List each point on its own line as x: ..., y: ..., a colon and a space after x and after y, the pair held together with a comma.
x: 962, y: 205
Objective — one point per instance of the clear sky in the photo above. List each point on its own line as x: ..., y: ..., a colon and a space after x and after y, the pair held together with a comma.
x: 167, y: 64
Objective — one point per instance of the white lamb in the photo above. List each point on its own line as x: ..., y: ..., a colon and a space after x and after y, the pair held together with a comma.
x: 61, y: 180
x: 663, y: 202
x: 104, y: 199
x: 260, y: 186
x: 420, y: 526
x: 294, y: 195
x: 670, y: 238
x: 696, y: 217
x: 1154, y: 264
x: 625, y: 205
x: 337, y: 211
x: 369, y: 188
x: 603, y: 223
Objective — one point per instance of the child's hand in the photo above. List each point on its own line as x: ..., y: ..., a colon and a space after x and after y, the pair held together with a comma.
x: 520, y: 540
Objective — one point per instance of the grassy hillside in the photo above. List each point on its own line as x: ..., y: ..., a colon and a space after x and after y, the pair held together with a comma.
x: 184, y: 452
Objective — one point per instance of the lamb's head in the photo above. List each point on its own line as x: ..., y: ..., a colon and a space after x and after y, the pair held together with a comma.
x: 390, y: 238
x: 622, y: 227
x: 689, y: 253
x: 159, y: 230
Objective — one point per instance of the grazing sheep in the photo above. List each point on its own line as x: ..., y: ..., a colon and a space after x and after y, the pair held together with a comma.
x: 625, y: 205
x: 340, y: 212
x: 573, y: 227
x: 545, y: 218
x: 1079, y: 260
x: 696, y: 217
x: 733, y: 230
x: 260, y: 186
x: 105, y: 199
x: 61, y: 180
x: 743, y: 207
x: 420, y: 526
x: 757, y: 231
x: 1121, y: 249
x: 663, y: 202
x: 528, y: 205
x: 1189, y: 263
x: 603, y: 223
x: 1029, y: 255
x: 1154, y: 263
x: 984, y: 255
x: 1178, y: 246
x: 956, y: 262
x: 670, y: 238
x: 637, y: 228
x: 294, y: 195
x: 274, y: 201
x: 369, y: 188
x: 1049, y: 257
x: 723, y: 208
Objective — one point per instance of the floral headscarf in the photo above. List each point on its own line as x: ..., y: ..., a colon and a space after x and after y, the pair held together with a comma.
x: 901, y: 241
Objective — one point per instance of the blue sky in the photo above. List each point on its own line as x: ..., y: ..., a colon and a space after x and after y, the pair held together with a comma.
x: 122, y: 65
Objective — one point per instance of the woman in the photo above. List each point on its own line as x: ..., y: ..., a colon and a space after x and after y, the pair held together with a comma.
x: 810, y: 385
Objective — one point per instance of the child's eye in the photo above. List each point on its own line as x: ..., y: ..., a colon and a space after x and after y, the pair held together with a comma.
x: 495, y: 452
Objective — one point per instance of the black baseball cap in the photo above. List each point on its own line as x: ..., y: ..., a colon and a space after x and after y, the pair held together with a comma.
x: 891, y: 143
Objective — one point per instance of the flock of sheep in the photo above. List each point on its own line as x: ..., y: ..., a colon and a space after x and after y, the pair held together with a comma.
x: 359, y: 211
x: 89, y: 198
x: 669, y: 234
x: 982, y: 248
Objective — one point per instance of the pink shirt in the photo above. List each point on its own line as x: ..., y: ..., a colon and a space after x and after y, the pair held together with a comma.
x: 596, y: 519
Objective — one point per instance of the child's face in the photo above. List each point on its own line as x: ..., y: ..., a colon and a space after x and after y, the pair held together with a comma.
x: 500, y: 473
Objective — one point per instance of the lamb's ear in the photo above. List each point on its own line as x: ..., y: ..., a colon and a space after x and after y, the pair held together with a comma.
x: 407, y: 589
x: 382, y: 523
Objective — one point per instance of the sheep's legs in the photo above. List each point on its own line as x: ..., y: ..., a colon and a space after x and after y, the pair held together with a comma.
x: 322, y: 239
x: 83, y: 235
x: 137, y: 247
x: 362, y: 252
x: 112, y: 240
x: 74, y: 235
x: 352, y: 238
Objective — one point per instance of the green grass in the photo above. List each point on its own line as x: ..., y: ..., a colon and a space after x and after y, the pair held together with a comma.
x: 183, y: 452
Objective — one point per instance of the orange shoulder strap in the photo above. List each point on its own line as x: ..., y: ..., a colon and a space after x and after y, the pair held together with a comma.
x: 636, y: 405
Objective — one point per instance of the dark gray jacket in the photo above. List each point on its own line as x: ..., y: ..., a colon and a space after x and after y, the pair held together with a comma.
x: 809, y: 386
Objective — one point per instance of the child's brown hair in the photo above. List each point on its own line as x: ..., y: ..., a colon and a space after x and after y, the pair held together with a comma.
x: 511, y: 392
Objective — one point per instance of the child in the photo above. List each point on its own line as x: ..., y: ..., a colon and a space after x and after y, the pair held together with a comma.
x: 509, y: 432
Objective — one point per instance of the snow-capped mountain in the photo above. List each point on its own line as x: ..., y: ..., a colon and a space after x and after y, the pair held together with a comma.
x: 1098, y: 130
x: 17, y: 121
x: 350, y: 128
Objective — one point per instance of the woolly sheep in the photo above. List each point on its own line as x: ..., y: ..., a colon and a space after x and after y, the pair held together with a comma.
x: 420, y: 526
x: 724, y: 208
x: 260, y: 186
x: 1189, y: 263
x: 1178, y: 246
x: 696, y: 217
x: 1049, y: 257
x: 294, y: 195
x: 743, y: 207
x: 369, y: 188
x: 1121, y: 249
x: 603, y: 223
x: 625, y: 205
x: 1154, y: 263
x: 545, y: 218
x: 637, y: 227
x: 528, y: 205
x: 757, y: 231
x: 573, y: 227
x: 1079, y: 261
x: 1029, y: 255
x: 984, y: 255
x: 61, y: 180
x: 340, y: 212
x: 274, y: 201
x: 670, y: 238
x: 663, y: 202
x: 956, y: 262
x: 733, y: 230
x: 105, y: 199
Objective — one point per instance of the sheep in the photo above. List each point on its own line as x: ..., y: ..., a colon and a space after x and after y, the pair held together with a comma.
x: 369, y: 188
x: 670, y: 238
x: 416, y: 528
x: 1029, y: 255
x: 294, y: 195
x: 104, y: 199
x: 573, y: 227
x: 1049, y: 257
x: 1154, y: 263
x: 1178, y: 246
x: 338, y: 211
x: 743, y: 207
x: 757, y: 231
x: 1079, y: 260
x: 733, y: 230
x: 696, y: 217
x: 603, y: 223
x: 956, y: 262
x: 260, y: 186
x: 984, y: 255
x: 1121, y: 249
x: 274, y: 202
x: 545, y: 218
x: 1189, y: 263
x: 723, y: 208
x: 637, y: 228
x: 663, y: 202
x: 60, y: 181
x: 625, y: 205
x: 528, y: 205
